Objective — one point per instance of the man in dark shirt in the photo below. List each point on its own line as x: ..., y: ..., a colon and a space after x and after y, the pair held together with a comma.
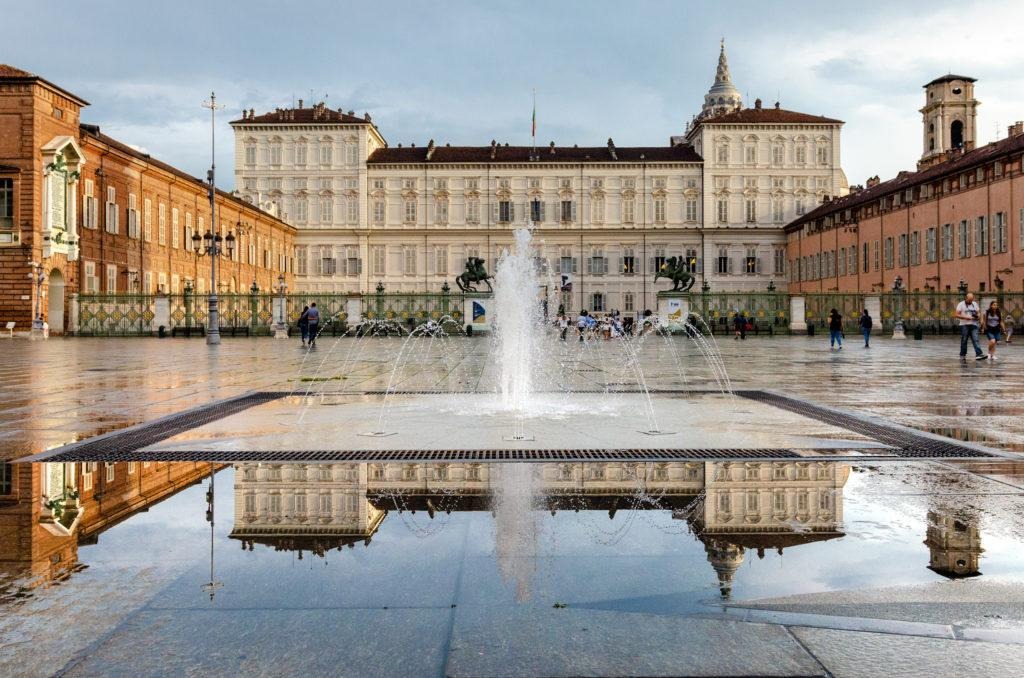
x: 313, y: 318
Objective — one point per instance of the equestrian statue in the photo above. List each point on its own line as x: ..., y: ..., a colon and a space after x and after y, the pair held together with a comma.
x: 676, y: 270
x: 474, y: 273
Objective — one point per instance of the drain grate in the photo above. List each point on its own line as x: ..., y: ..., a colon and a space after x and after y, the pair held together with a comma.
x: 907, y: 443
x: 490, y: 455
x: 130, y: 440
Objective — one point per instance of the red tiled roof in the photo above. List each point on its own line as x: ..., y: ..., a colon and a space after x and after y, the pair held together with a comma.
x: 303, y: 116
x: 522, y: 154
x: 8, y: 72
x: 905, y: 180
x: 746, y: 116
x: 93, y: 131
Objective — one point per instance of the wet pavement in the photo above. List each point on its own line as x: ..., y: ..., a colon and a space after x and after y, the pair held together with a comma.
x: 776, y: 567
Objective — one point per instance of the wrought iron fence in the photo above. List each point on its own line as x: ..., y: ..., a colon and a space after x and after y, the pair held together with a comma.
x: 116, y: 314
x: 768, y: 311
x: 413, y: 309
x: 817, y: 308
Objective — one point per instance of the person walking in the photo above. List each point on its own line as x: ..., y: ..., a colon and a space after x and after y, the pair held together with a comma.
x: 993, y: 327
x: 739, y: 323
x: 304, y: 324
x: 563, y: 324
x: 968, y: 313
x: 835, y: 329
x: 1008, y: 323
x: 313, y: 319
x: 581, y: 324
x: 865, y: 324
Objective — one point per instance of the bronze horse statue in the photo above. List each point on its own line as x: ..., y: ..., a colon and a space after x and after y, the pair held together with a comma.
x: 474, y: 273
x: 676, y: 270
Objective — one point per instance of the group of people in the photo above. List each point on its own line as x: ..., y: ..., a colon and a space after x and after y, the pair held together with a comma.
x: 972, y: 322
x: 588, y: 326
x: 309, y: 324
x: 969, y: 316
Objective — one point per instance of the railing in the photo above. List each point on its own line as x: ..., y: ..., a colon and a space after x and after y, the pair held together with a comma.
x: 767, y: 310
x: 116, y: 314
x: 817, y: 308
x: 412, y: 309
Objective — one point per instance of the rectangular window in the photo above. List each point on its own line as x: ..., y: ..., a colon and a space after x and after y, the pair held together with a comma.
x: 597, y: 264
x: 628, y: 302
x: 930, y: 246
x: 275, y: 154
x: 378, y: 258
x: 866, y: 265
x: 378, y: 211
x: 352, y: 210
x: 250, y: 154
x: 822, y: 152
x: 326, y: 210
x: 352, y: 153
x: 691, y: 209
x: 301, y: 259
x: 409, y: 211
x: 980, y: 236
x: 963, y: 236
x: 947, y: 242
x: 798, y: 207
x: 777, y: 155
x: 723, y: 262
x: 597, y: 210
x: 441, y: 212
x: 536, y: 211
x: 629, y: 212
x: 751, y: 264
x: 751, y: 211
x: 659, y: 258
x: 915, y: 248
x: 441, y: 259
x: 999, y: 239
x: 903, y: 249
x: 109, y: 468
x: 473, y: 211
x: 659, y: 210
x: 875, y: 255
x: 801, y: 154
x: 889, y: 253
x: 597, y: 301
x: 628, y: 260
x: 89, y: 216
x: 301, y: 154
x: 302, y: 210
x: 568, y: 212
x: 175, y: 235
x: 777, y: 211
x: 326, y: 154
x: 750, y: 155
x: 161, y: 232
x: 6, y: 207
x: 690, y: 260
x: 409, y: 260
x: 111, y: 220
x: 780, y: 262
x: 723, y: 210
x: 111, y: 287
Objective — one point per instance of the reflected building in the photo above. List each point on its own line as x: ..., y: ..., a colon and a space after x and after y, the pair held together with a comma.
x: 954, y: 543
x: 732, y: 507
x: 48, y: 510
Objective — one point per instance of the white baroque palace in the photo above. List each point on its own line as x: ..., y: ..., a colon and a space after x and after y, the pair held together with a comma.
x: 605, y: 216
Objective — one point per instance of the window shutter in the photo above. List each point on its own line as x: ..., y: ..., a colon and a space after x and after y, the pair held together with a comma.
x: 494, y: 211
x: 542, y: 217
x: 574, y: 264
x: 573, y: 211
x: 729, y: 266
x: 699, y: 266
x: 511, y: 212
x: 590, y: 264
x: 757, y: 265
x: 359, y: 266
x: 621, y: 266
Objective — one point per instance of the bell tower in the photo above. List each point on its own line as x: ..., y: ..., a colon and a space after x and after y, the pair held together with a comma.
x: 948, y: 118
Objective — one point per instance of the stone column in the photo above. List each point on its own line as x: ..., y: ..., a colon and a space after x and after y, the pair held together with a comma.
x: 797, y: 314
x: 162, y: 312
x: 73, y: 315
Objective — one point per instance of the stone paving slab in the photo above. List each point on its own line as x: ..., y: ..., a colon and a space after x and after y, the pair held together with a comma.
x: 865, y: 655
x: 531, y: 641
x: 273, y: 642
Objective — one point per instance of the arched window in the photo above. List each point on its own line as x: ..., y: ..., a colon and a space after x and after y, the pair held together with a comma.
x: 956, y: 134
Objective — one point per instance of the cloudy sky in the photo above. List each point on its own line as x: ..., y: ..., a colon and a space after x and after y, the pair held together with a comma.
x: 464, y: 72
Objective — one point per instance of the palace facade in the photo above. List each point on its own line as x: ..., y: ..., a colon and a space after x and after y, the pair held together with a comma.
x: 956, y: 221
x: 605, y: 217
x: 94, y: 215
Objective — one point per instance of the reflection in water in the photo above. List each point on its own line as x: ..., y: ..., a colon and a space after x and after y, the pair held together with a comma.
x: 731, y: 507
x: 48, y: 510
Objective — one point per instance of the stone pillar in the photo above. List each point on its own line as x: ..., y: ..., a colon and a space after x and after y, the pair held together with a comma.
x: 673, y: 309
x: 73, y: 315
x: 477, y: 312
x: 874, y: 307
x: 354, y: 309
x: 797, y: 314
x: 162, y: 312
x: 278, y: 311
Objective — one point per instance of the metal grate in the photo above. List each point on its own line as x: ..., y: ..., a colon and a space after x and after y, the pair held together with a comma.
x: 491, y: 455
x: 907, y: 443
x: 112, y: 446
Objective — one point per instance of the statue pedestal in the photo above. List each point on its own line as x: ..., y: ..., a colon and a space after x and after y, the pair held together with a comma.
x: 673, y: 307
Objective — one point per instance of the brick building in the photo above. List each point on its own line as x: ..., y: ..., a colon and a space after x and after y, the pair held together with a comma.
x: 95, y: 215
x: 959, y: 217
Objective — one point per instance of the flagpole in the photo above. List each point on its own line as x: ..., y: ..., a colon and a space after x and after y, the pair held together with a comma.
x: 533, y: 125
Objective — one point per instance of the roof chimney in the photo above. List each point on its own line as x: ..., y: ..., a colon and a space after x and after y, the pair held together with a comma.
x: 872, y: 181
x: 1015, y: 129
x: 300, y: 103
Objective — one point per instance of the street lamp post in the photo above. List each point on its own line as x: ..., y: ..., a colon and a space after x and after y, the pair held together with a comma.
x: 897, y: 292
x: 37, y: 277
x: 281, y: 328
x: 213, y: 246
x: 213, y: 323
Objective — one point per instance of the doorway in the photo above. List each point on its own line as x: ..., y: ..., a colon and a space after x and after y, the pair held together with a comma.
x: 55, y: 307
